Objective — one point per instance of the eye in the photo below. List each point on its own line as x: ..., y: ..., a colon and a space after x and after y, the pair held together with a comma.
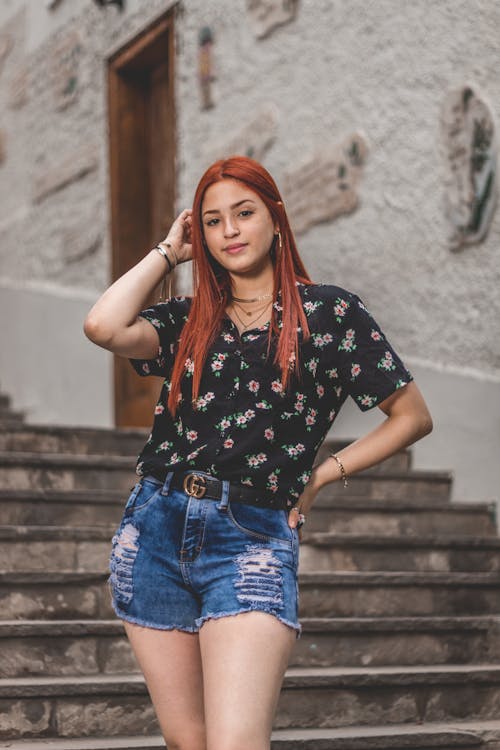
x: 245, y: 212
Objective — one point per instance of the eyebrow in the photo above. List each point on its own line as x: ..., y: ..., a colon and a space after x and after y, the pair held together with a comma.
x: 235, y: 205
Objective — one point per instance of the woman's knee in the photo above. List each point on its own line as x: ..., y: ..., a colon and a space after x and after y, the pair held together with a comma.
x: 238, y: 740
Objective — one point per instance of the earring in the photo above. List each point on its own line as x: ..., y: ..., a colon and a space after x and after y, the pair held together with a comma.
x: 280, y: 243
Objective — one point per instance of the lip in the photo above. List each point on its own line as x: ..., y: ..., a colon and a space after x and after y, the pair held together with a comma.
x: 236, y: 247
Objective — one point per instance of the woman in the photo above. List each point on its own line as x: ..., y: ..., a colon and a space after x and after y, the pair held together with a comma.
x: 257, y: 365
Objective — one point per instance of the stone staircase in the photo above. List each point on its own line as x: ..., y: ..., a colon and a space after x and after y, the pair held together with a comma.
x: 399, y: 601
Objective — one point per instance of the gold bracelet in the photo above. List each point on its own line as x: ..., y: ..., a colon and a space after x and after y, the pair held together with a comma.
x: 341, y: 467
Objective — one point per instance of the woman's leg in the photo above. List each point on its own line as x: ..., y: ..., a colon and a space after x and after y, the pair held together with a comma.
x: 244, y: 657
x: 171, y: 663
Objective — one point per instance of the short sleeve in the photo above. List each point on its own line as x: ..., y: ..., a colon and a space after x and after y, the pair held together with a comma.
x: 168, y: 318
x: 370, y: 369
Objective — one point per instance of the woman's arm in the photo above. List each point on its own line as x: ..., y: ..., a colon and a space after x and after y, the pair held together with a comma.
x: 113, y: 321
x: 408, y: 420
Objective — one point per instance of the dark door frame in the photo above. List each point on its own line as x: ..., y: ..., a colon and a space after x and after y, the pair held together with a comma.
x: 142, y: 156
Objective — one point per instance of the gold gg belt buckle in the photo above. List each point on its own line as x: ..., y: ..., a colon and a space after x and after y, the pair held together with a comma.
x: 191, y: 486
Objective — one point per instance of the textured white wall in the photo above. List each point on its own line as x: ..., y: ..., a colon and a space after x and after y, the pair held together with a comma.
x: 383, y: 67
x: 380, y: 67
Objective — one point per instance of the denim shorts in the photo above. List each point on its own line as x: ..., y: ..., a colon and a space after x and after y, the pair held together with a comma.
x: 177, y: 560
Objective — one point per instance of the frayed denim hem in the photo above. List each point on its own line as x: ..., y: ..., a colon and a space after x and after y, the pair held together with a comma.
x: 154, y: 625
x: 216, y: 615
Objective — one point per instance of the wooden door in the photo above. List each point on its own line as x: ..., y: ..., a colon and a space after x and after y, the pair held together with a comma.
x: 142, y: 181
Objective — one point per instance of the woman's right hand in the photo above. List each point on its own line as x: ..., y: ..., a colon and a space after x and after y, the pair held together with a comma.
x: 180, y: 236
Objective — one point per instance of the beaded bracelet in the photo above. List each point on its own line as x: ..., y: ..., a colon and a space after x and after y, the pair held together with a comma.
x: 341, y: 467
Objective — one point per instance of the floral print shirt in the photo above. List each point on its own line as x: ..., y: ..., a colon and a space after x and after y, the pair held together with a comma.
x: 245, y: 428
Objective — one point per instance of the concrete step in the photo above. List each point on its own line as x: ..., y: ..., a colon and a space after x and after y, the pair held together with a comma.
x: 330, y: 551
x: 333, y: 696
x: 48, y: 471
x: 76, y: 440
x: 61, y: 507
x: 89, y: 647
x: 353, y: 515
x: 51, y: 596
x: 408, y: 736
x: 58, y: 548
x: 413, y: 486
x: 391, y: 641
x: 23, y: 470
x: 393, y: 517
x: 385, y: 594
x: 69, y: 595
x: 64, y: 648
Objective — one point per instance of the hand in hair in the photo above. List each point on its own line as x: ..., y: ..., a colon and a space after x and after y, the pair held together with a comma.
x: 179, y: 235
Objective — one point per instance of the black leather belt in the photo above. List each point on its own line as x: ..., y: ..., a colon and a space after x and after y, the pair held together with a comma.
x: 203, y: 486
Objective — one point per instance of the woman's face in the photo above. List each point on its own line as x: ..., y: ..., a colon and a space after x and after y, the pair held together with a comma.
x: 232, y: 214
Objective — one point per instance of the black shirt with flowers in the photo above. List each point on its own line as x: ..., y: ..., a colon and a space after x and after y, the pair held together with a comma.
x: 245, y: 428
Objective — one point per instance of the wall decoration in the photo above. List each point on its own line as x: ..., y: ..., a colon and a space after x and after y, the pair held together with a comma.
x: 253, y: 139
x: 267, y: 15
x: 325, y: 185
x: 79, y: 243
x: 103, y: 3
x: 471, y: 152
x: 70, y: 168
x: 205, y: 66
x: 64, y: 69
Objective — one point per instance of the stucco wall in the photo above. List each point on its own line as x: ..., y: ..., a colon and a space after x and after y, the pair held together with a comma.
x: 380, y: 68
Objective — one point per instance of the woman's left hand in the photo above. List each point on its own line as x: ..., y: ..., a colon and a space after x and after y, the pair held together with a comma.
x: 303, y: 505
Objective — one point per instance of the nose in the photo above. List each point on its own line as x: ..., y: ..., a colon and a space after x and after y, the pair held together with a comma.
x: 230, y: 229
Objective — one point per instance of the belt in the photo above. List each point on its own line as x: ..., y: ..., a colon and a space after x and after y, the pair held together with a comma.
x: 201, y: 485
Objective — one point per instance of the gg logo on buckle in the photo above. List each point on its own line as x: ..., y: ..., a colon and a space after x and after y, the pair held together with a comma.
x: 191, y: 486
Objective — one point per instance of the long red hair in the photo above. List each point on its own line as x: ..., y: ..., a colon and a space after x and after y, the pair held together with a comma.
x: 212, y: 284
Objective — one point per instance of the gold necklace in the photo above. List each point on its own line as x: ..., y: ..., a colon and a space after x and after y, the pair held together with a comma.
x: 246, y: 325
x: 250, y: 312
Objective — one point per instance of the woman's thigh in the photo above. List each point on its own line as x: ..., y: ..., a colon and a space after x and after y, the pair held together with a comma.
x: 171, y: 663
x: 244, y: 657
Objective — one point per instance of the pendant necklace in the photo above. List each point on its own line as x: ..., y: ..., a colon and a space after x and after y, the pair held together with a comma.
x: 246, y: 325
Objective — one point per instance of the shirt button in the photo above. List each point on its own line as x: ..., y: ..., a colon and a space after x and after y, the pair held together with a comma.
x: 238, y: 352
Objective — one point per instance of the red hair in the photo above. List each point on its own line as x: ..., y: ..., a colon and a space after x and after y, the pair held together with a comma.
x: 212, y: 284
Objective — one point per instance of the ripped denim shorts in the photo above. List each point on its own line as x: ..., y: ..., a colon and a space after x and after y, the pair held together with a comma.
x: 177, y: 560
